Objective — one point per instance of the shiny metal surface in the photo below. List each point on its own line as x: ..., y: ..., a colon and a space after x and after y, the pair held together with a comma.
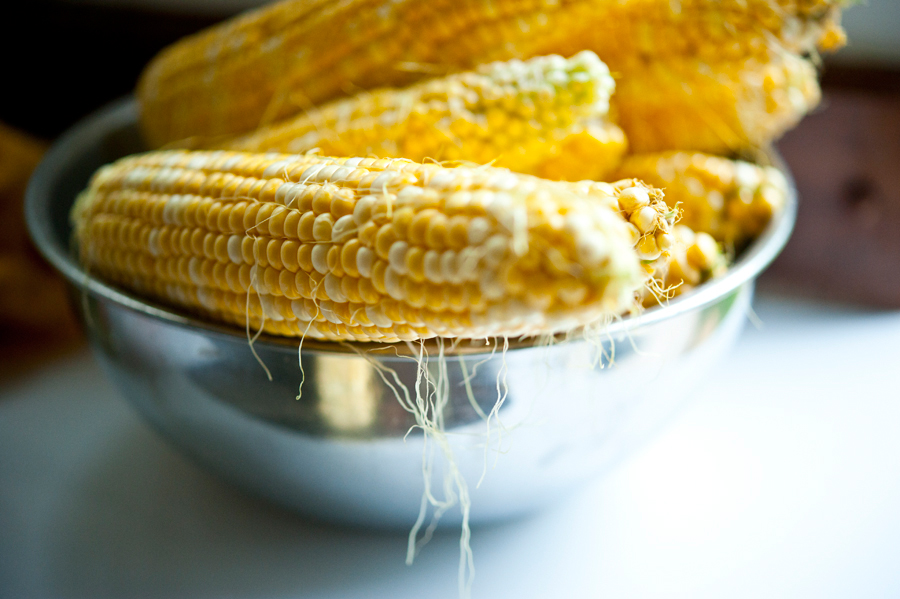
x: 341, y: 450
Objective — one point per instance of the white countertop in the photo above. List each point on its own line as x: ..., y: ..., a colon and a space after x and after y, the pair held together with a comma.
x: 782, y: 479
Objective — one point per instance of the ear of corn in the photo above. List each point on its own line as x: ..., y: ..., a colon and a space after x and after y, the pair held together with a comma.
x: 630, y: 33
x: 279, y: 60
x: 718, y: 108
x: 359, y: 249
x: 715, y: 76
x: 649, y: 219
x: 537, y: 116
x: 593, y: 153
x: 273, y: 62
x: 731, y: 200
x: 693, y: 258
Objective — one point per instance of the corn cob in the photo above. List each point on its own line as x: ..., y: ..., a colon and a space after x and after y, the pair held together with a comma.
x: 279, y: 60
x: 592, y: 154
x: 627, y: 34
x: 716, y: 76
x: 693, y: 258
x: 719, y: 108
x: 649, y: 219
x: 272, y: 63
x: 357, y: 248
x: 732, y: 200
x: 533, y: 117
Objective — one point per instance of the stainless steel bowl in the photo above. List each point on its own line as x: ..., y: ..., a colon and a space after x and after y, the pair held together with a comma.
x: 341, y: 451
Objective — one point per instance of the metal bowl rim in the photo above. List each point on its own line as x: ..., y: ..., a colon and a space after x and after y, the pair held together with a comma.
x: 123, y: 112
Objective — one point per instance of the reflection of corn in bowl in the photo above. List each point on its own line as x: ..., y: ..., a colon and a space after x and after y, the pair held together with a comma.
x: 338, y: 451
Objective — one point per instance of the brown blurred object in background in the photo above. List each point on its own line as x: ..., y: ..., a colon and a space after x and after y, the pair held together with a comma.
x: 846, y: 161
x: 34, y: 311
x: 98, y: 53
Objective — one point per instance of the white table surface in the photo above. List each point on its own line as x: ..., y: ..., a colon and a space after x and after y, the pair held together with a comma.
x: 781, y: 479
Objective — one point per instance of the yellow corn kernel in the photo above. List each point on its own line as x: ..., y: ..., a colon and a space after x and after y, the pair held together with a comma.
x: 693, y: 258
x: 731, y: 200
x: 283, y: 59
x: 536, y: 117
x: 649, y: 219
x: 592, y: 154
x: 628, y: 33
x: 526, y: 238
x: 718, y: 107
x: 279, y: 60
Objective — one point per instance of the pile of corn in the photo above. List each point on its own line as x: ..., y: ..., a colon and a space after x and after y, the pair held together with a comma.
x: 470, y: 142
